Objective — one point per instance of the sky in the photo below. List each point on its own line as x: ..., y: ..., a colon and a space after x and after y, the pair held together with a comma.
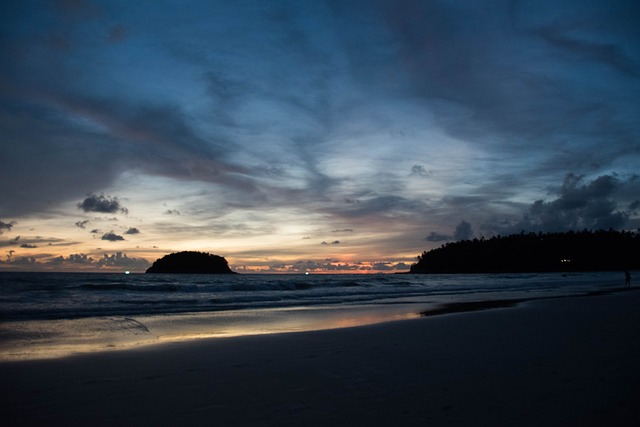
x: 319, y: 136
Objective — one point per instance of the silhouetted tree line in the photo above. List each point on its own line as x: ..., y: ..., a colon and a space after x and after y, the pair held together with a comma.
x: 536, y: 252
x: 191, y: 262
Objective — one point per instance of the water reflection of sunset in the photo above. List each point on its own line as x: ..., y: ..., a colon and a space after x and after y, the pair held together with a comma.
x: 60, y: 338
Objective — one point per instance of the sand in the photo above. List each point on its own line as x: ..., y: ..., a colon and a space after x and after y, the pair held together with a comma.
x: 568, y: 361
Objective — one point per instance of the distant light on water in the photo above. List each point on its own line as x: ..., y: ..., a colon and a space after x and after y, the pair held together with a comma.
x: 127, y: 272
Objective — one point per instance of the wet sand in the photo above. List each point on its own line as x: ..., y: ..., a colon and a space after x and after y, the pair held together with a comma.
x: 565, y: 361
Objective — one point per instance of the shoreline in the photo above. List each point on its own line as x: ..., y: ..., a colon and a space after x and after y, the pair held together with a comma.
x: 562, y: 361
x: 111, y: 334
x: 479, y: 305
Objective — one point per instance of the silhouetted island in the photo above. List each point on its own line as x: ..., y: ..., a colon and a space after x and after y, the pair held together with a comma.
x: 536, y: 252
x: 191, y: 262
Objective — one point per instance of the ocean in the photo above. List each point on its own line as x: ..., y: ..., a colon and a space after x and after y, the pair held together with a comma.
x: 44, y: 315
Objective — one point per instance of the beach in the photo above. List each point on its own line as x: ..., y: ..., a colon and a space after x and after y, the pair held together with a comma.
x: 560, y: 361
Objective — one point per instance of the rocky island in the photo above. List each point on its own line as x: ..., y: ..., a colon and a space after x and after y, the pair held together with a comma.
x: 190, y: 262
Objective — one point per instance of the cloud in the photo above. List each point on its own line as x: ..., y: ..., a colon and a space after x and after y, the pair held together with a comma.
x: 178, y: 150
x: 73, y: 260
x: 132, y: 230
x: 419, y: 170
x: 116, y: 134
x: 111, y: 237
x: 32, y: 242
x: 602, y: 203
x: 102, y: 204
x: 5, y: 226
x: 22, y: 262
x: 71, y: 10
x: 379, y: 205
x: 610, y: 54
x: 108, y: 261
x: 438, y: 237
x: 70, y: 160
x: 82, y: 224
x: 468, y: 62
x: 80, y: 259
x: 331, y: 265
x: 120, y: 259
x: 463, y: 231
x: 389, y: 266
x: 10, y: 242
x: 117, y: 33
x: 416, y: 114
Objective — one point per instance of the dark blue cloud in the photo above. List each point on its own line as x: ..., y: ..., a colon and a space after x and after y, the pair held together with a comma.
x: 602, y: 203
x: 101, y: 203
x: 437, y: 237
x: 463, y: 231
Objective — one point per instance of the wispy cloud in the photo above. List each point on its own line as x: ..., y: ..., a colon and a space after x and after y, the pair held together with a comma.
x: 5, y: 226
x: 82, y: 224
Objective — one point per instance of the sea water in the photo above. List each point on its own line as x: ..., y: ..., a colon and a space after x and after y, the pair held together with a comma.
x: 57, y: 314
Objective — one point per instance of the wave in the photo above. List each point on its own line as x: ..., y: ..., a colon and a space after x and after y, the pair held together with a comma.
x: 167, y: 302
x: 47, y: 296
x: 130, y: 324
x: 128, y: 287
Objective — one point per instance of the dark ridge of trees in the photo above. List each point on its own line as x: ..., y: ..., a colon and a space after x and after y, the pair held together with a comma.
x: 603, y: 250
x: 191, y: 262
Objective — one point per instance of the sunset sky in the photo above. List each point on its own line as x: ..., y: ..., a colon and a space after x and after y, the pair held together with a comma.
x: 292, y: 136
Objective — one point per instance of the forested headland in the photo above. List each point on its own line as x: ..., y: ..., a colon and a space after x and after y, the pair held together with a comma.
x: 603, y: 250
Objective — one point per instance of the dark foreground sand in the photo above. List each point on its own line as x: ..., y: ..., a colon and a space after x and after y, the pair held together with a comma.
x: 572, y: 361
